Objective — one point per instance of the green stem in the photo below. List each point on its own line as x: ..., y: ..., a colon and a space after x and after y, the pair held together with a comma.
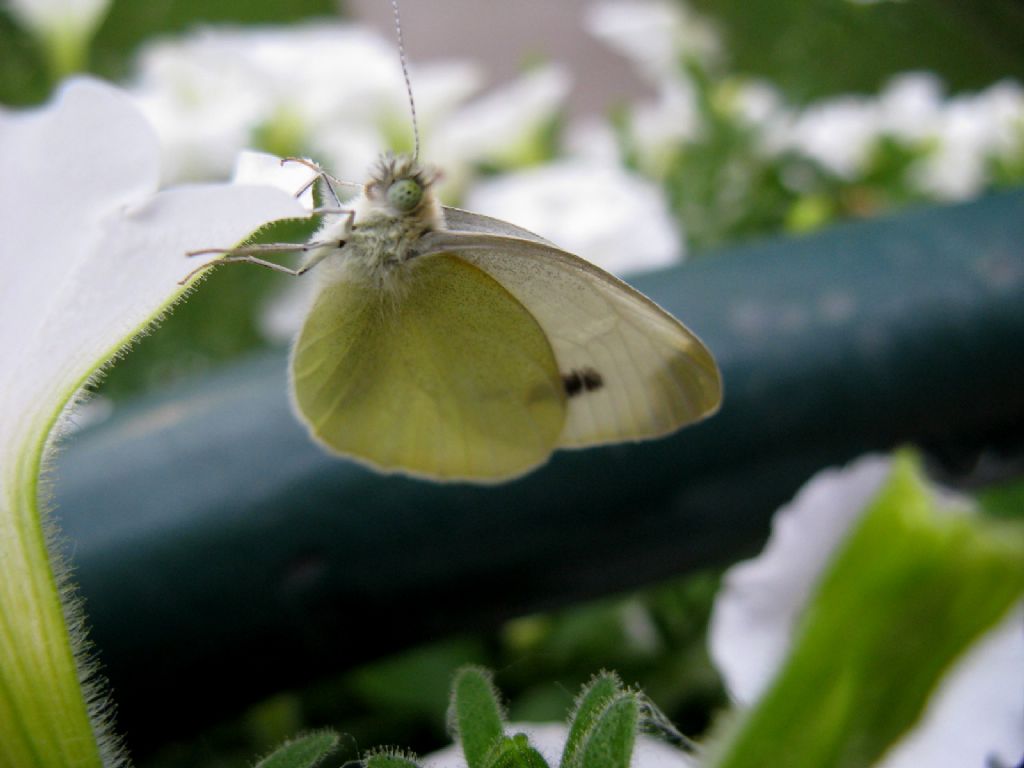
x: 66, y: 49
x: 44, y: 719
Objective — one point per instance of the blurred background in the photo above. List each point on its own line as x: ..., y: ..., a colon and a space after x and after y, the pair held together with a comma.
x: 636, y: 133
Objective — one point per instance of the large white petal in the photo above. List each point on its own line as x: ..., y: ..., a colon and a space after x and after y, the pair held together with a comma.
x: 91, y: 252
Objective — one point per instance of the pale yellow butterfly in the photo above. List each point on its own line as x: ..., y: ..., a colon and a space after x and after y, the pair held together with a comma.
x: 452, y: 346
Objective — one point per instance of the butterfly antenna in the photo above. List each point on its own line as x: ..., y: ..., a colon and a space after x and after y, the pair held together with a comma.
x: 408, y: 84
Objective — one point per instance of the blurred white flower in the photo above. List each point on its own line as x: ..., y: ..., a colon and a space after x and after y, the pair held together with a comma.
x: 659, y: 128
x: 330, y: 89
x: 549, y: 739
x: 59, y: 17
x: 201, y: 99
x: 837, y: 133
x: 977, y: 711
x: 910, y: 106
x: 972, y: 130
x: 503, y: 128
x: 659, y: 36
x: 62, y: 28
x: 759, y: 106
x: 601, y: 212
x: 656, y: 35
x: 592, y: 139
x: 348, y: 147
x: 958, y: 137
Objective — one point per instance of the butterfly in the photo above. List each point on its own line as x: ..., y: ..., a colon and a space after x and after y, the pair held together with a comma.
x: 452, y: 346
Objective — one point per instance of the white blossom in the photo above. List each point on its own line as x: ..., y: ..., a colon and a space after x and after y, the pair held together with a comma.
x: 760, y: 107
x: 838, y: 134
x: 656, y: 35
x: 613, y: 218
x: 910, y: 107
x: 502, y: 128
x: 972, y: 130
x: 659, y: 128
x: 335, y: 90
x: 592, y: 139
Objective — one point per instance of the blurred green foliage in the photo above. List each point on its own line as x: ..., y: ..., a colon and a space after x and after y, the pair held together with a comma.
x: 815, y: 48
x: 654, y: 639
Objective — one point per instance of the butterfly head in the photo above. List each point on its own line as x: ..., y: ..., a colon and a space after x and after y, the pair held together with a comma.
x: 400, y: 185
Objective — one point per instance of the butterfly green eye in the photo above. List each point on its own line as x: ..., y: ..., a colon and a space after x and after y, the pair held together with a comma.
x: 405, y: 194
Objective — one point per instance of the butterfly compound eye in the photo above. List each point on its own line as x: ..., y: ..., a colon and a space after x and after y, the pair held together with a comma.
x: 405, y: 194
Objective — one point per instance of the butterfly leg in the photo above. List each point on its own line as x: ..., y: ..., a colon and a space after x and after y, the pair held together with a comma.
x: 320, y: 174
x: 245, y: 255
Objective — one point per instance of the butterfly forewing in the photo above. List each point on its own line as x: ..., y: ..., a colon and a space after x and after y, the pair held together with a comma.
x: 446, y: 376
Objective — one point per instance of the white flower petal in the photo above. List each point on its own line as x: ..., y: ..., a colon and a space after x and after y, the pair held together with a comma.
x: 263, y: 168
x: 977, y: 713
x: 91, y: 251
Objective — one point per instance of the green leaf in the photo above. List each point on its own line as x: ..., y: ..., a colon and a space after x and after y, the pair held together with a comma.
x: 302, y: 752
x: 390, y: 759
x: 912, y: 586
x: 609, y: 742
x: 515, y: 752
x: 474, y: 714
x: 591, y: 702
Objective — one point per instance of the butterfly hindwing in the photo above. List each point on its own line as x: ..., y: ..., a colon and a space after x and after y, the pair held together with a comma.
x: 631, y: 370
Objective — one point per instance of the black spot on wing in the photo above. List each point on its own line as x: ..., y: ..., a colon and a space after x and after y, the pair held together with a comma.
x: 591, y: 379
x: 580, y: 380
x: 573, y: 383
